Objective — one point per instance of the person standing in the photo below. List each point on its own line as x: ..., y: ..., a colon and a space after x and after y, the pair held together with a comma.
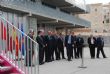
x: 29, y: 48
x: 100, y: 45
x: 92, y: 45
x: 60, y: 44
x: 75, y: 47
x: 69, y: 40
x: 48, y: 50
x: 55, y: 46
x: 80, y: 45
x: 39, y: 40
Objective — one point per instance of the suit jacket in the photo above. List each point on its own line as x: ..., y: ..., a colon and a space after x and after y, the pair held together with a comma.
x: 80, y: 42
x: 89, y: 41
x: 60, y: 42
x: 39, y: 40
x: 29, y: 44
x: 75, y: 39
x: 100, y: 42
x: 49, y: 41
x: 54, y: 41
x: 66, y: 40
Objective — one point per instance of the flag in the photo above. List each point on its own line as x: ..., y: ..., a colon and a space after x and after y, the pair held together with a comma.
x: 7, y: 34
x: 0, y: 35
x: 1, y: 30
x: 14, y: 37
x: 11, y: 43
x: 3, y: 36
x: 17, y: 46
x: 22, y: 49
x: 7, y: 37
x: 13, y: 32
x: 11, y: 39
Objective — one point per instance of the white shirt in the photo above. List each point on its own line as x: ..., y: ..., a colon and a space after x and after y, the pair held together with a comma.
x: 69, y: 39
x: 92, y: 41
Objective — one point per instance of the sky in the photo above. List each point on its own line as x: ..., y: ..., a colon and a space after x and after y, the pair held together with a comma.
x: 97, y: 1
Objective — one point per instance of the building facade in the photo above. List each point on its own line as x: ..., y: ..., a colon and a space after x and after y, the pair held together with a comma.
x: 99, y: 17
x: 44, y: 14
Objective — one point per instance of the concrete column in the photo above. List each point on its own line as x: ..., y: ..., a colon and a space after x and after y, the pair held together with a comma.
x: 25, y: 22
x: 32, y: 24
x: 66, y: 30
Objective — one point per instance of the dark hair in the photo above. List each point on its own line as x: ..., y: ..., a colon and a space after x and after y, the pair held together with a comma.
x: 60, y: 34
x: 39, y: 32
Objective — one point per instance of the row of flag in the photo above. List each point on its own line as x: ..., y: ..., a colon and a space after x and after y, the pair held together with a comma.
x: 13, y: 39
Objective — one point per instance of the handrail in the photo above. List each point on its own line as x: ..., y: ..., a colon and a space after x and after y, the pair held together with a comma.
x: 18, y: 48
x: 17, y: 28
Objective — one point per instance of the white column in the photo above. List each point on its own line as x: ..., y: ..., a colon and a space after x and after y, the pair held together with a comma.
x: 32, y: 23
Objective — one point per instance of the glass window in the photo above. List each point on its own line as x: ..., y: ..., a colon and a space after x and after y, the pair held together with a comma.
x: 96, y: 10
x: 104, y: 16
x: 103, y: 22
x: 95, y: 31
x: 33, y: 0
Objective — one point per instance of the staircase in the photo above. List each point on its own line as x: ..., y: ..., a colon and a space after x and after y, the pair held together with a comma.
x: 16, y: 50
x: 6, y: 67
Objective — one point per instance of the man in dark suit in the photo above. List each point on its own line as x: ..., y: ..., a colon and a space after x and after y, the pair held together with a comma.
x: 69, y: 41
x: 80, y: 45
x: 92, y: 45
x: 74, y: 47
x: 60, y: 44
x: 39, y: 40
x: 100, y: 45
x: 49, y: 44
x: 55, y: 46
x: 29, y: 48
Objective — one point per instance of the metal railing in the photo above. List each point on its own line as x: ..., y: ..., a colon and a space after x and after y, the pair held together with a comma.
x: 18, y: 48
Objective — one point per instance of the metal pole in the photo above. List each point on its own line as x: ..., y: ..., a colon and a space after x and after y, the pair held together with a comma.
x: 37, y: 57
x: 82, y: 63
x: 0, y: 40
x: 25, y: 54
x: 31, y: 52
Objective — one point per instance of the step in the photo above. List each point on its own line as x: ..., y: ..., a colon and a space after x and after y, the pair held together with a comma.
x: 5, y: 68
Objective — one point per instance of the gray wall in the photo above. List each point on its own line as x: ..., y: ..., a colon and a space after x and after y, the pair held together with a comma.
x: 106, y: 40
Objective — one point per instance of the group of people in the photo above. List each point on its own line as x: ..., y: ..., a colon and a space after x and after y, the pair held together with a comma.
x: 96, y: 43
x: 51, y: 46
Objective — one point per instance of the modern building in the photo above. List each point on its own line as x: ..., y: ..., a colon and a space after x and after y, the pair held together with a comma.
x: 99, y: 17
x: 17, y: 49
x: 45, y: 14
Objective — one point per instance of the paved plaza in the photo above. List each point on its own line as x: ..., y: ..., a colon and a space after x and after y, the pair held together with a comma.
x: 94, y: 66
